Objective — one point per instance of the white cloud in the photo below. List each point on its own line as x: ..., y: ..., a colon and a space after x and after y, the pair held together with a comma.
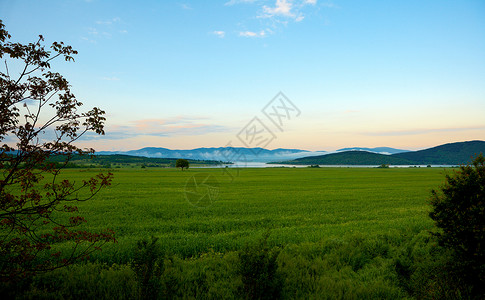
x: 180, y: 125
x: 277, y: 13
x: 219, y: 33
x: 105, y: 29
x: 109, y: 22
x: 286, y: 9
x: 262, y: 33
x: 88, y: 40
x: 186, y: 6
x: 93, y: 31
x: 282, y: 8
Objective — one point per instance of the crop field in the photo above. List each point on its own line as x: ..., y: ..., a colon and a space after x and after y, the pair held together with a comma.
x: 296, y: 204
x: 292, y: 233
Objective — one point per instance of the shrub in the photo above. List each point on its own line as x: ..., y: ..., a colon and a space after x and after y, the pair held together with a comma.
x: 459, y: 214
x: 148, y: 267
x: 258, y: 268
x: 78, y: 281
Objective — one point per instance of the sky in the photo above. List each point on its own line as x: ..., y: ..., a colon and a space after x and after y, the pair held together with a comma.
x: 305, y: 74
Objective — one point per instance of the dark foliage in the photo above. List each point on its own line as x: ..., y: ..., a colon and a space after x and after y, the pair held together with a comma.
x: 148, y: 267
x: 126, y: 160
x: 459, y: 213
x: 182, y: 163
x: 40, y: 119
x: 258, y: 268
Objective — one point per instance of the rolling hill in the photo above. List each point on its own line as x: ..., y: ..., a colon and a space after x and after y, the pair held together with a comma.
x: 447, y: 154
x: 351, y: 158
x: 381, y: 150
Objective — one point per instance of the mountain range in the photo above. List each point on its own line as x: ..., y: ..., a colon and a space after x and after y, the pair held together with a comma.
x: 231, y: 154
x: 447, y: 154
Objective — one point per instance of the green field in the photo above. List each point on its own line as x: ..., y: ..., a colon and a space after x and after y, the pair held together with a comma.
x: 338, y: 233
x: 297, y: 204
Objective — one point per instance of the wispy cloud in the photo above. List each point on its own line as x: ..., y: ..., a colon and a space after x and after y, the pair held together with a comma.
x: 219, y: 33
x: 277, y: 13
x: 273, y: 14
x: 88, y: 40
x: 108, y: 22
x: 281, y: 8
x: 92, y: 31
x: 181, y: 125
x: 185, y: 6
x: 104, y: 29
x: 289, y: 9
x: 262, y: 33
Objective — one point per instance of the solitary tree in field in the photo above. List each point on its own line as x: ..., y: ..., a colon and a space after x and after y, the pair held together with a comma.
x: 182, y: 163
x: 459, y: 213
x: 40, y: 118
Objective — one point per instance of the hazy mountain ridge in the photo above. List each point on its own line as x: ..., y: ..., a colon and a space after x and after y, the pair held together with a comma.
x: 220, y: 153
x: 447, y: 154
x: 233, y: 153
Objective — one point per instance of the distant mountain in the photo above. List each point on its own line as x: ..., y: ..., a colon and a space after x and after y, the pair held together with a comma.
x: 351, y: 158
x: 381, y: 150
x: 448, y: 154
x: 220, y: 154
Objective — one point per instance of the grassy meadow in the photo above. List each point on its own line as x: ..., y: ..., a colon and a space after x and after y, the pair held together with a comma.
x: 296, y: 204
x: 351, y: 233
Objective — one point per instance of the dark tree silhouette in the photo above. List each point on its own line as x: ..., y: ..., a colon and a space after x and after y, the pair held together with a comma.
x: 459, y: 213
x: 182, y: 163
x: 39, y: 120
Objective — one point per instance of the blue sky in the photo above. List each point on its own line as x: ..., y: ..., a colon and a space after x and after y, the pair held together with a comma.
x: 188, y: 74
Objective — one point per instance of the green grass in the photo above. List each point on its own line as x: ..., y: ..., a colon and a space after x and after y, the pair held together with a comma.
x: 339, y: 233
x: 297, y: 204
